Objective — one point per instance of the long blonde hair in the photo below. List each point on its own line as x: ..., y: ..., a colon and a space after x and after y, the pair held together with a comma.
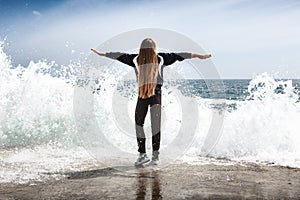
x: 147, y: 69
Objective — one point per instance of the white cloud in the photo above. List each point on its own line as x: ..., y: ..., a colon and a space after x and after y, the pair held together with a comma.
x: 37, y: 13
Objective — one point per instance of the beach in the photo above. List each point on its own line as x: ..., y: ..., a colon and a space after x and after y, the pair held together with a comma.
x: 176, y: 181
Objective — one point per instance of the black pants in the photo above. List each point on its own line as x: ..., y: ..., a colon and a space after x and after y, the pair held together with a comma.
x: 140, y: 115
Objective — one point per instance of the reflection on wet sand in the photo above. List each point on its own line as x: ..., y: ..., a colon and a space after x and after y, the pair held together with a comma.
x: 145, y: 180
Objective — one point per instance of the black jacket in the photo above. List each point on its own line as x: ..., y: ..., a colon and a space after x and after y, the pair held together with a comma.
x: 164, y: 59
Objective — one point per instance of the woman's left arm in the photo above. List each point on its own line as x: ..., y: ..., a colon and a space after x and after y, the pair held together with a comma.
x: 98, y: 52
x: 122, y: 57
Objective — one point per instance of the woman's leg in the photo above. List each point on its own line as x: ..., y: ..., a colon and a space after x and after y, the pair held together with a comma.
x: 155, y: 111
x: 140, y: 115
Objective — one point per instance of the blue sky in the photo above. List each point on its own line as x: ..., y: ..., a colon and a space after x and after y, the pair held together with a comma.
x: 246, y: 37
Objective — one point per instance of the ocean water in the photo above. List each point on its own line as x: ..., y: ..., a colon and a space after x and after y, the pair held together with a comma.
x: 39, y: 137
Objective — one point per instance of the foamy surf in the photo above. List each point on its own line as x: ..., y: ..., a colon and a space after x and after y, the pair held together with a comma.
x: 44, y: 162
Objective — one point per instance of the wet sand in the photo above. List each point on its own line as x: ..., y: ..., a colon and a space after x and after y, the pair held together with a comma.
x: 177, y: 181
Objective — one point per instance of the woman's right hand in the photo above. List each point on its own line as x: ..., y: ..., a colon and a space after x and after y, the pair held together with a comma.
x: 201, y: 56
x: 205, y: 56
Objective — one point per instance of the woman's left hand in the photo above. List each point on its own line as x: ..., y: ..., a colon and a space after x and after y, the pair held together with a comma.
x: 97, y: 52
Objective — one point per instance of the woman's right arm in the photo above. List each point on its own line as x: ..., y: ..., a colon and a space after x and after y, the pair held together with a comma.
x: 201, y: 56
